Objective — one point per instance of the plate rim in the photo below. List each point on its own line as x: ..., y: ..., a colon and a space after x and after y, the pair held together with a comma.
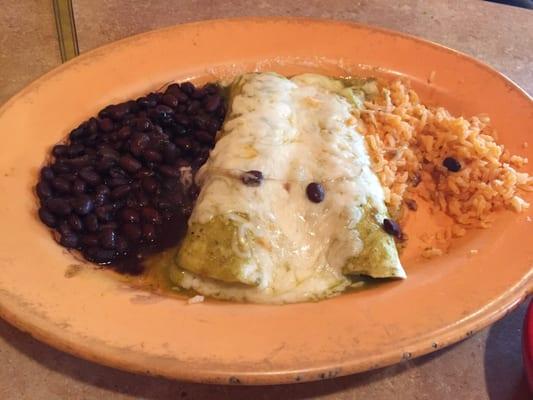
x: 492, y: 312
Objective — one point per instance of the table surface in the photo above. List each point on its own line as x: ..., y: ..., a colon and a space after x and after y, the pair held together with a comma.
x: 486, y: 366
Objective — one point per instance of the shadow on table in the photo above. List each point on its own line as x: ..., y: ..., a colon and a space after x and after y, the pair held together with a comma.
x: 503, y: 359
x: 155, y: 388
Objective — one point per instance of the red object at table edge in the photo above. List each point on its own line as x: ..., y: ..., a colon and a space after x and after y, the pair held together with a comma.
x: 528, y: 344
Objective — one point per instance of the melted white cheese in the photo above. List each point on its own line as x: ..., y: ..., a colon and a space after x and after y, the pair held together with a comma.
x: 295, y: 132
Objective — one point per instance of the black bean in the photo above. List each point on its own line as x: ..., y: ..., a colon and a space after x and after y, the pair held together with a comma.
x: 170, y: 152
x: 47, y: 173
x: 143, y: 124
x: 129, y: 215
x: 78, y: 133
x: 211, y: 103
x: 121, y: 245
x: 69, y: 240
x: 315, y: 192
x: 102, y: 190
x: 47, y: 217
x: 89, y: 240
x: 148, y: 233
x: 60, y: 167
x: 451, y: 164
x: 132, y: 232
x: 143, y: 172
x: 100, y: 199
x: 138, y: 143
x: 202, y: 157
x: 252, y: 178
x: 119, y: 181
x: 119, y: 111
x: 187, y: 87
x: 163, y: 111
x: 167, y: 170
x: 91, y: 223
x: 198, y: 94
x: 61, y: 185
x: 124, y: 133
x: 105, y: 164
x: 75, y: 150
x: 170, y: 184
x: 98, y: 255
x: 149, y: 184
x: 109, y: 225
x: 104, y: 213
x: 194, y: 107
x: 212, y: 126
x: 155, y: 96
x: 43, y: 190
x: 70, y: 177
x: 120, y: 191
x: 143, y: 102
x: 75, y: 223
x: 92, y: 126
x: 150, y: 215
x: 184, y: 143
x: 82, y: 205
x: 91, y: 140
x: 64, y: 228
x: 59, y: 150
x: 107, y: 152
x: 204, y: 137
x: 89, y: 176
x: 129, y: 163
x: 106, y: 125
x: 79, y: 162
x: 142, y: 199
x: 78, y: 186
x: 169, y: 100
x: 392, y: 228
x: 183, y: 120
x: 117, y: 172
x: 152, y: 155
x: 107, y: 238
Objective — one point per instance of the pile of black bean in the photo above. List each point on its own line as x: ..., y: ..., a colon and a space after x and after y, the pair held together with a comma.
x: 115, y: 186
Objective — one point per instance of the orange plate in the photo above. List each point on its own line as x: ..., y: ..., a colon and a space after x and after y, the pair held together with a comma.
x: 95, y: 316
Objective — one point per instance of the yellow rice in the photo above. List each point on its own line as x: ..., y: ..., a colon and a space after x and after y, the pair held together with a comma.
x: 408, y: 142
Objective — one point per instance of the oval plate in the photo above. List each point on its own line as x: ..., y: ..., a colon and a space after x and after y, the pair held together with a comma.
x: 93, y: 315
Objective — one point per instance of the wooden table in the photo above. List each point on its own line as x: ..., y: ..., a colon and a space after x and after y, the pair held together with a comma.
x: 486, y: 366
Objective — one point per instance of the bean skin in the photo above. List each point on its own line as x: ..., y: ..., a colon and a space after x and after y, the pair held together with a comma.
x: 315, y: 192
x: 82, y: 205
x: 132, y: 232
x: 75, y: 223
x: 61, y: 185
x: 43, y: 190
x: 107, y: 239
x: 91, y: 223
x: 130, y: 215
x: 91, y: 177
x: 148, y: 232
x: 69, y: 240
x: 47, y: 173
x: 130, y: 164
x: 98, y: 255
x: 58, y: 206
x: 120, y: 191
x: 151, y: 216
x: 47, y: 217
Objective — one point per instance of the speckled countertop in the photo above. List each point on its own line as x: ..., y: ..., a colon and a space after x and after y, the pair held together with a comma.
x: 486, y: 366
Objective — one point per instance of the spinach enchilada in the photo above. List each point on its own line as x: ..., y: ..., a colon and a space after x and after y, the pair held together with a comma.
x: 255, y: 233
